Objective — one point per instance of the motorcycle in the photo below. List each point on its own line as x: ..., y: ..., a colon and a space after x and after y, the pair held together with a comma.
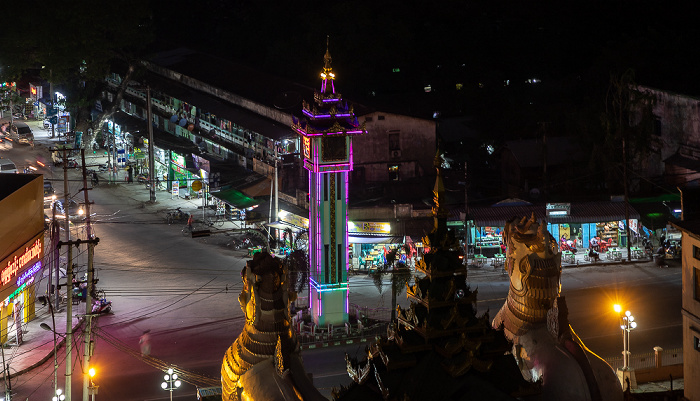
x: 101, y: 306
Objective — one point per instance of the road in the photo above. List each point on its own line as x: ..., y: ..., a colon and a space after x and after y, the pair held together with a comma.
x: 185, y: 292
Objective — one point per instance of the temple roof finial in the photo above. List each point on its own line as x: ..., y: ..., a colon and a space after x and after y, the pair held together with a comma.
x: 327, y: 57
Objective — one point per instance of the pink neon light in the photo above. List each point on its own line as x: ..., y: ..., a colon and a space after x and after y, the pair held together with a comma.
x: 320, y: 116
x: 333, y: 99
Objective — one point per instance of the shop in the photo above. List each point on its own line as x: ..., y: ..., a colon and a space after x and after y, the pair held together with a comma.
x: 291, y: 229
x: 369, y: 242
x: 20, y: 270
x: 578, y: 222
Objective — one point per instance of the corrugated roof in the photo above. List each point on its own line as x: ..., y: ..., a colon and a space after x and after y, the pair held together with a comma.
x: 582, y: 212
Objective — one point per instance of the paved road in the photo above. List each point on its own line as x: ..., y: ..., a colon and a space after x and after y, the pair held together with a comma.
x: 185, y: 291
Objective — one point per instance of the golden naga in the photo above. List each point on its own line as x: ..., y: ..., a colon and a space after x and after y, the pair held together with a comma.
x: 264, y: 362
x: 534, y: 318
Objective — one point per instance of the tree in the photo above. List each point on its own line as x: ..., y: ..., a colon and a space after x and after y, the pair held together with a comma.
x: 73, y: 45
x: 400, y: 276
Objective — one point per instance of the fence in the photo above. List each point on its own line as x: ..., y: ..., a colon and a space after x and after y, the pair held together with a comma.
x: 648, y: 359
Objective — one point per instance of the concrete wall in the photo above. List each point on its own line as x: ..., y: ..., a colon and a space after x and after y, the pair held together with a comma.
x: 691, y: 316
x: 414, y: 151
x: 677, y: 130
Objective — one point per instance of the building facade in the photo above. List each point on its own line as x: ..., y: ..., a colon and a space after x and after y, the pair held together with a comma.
x: 22, y: 253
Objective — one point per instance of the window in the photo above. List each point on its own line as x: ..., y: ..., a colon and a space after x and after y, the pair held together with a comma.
x: 380, y: 117
x: 696, y: 343
x: 368, y: 119
x: 394, y: 172
x: 696, y: 281
x: 696, y: 252
x: 394, y: 143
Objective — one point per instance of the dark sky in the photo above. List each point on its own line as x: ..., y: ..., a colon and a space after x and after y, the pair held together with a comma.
x: 444, y: 40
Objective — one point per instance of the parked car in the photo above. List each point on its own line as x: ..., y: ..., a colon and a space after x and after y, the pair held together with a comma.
x: 7, y: 166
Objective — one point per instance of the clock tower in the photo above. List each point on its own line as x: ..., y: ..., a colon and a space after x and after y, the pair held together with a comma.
x: 326, y: 129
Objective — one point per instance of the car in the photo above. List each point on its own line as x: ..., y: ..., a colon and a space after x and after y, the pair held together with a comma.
x: 7, y: 166
x: 76, y: 212
x: 25, y: 135
x: 49, y: 194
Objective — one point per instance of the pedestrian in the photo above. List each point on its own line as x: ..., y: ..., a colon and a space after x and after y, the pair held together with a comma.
x: 131, y: 174
x: 145, y: 343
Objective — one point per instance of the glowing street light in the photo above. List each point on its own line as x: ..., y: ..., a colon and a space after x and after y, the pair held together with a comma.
x: 59, y: 395
x: 627, y: 324
x: 171, y: 382
x: 92, y: 388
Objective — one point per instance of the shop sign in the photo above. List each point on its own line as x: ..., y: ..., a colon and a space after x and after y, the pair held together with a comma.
x: 558, y: 209
x: 15, y: 268
x: 369, y: 227
x: 17, y: 262
x: 293, y: 219
x: 177, y: 159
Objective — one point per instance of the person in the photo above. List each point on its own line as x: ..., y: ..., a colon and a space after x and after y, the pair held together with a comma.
x: 190, y: 220
x: 145, y: 343
x: 594, y: 243
x: 131, y: 174
x: 593, y: 255
x: 95, y: 179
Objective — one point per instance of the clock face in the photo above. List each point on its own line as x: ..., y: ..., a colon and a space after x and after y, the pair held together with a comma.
x: 334, y: 148
x: 307, y: 147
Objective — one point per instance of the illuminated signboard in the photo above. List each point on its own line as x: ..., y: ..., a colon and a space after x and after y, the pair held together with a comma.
x: 369, y: 227
x: 18, y: 269
x: 558, y: 209
x: 307, y: 146
x: 293, y: 219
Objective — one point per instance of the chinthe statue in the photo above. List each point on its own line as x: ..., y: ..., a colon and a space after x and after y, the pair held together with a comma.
x: 264, y: 363
x: 534, y: 318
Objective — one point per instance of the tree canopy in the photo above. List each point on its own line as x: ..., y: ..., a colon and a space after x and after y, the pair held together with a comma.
x: 72, y: 44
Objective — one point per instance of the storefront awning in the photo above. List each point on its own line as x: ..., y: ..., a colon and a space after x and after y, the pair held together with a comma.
x: 235, y: 198
x: 355, y: 239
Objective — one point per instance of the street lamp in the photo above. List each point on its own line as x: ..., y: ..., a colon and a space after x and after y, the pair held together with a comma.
x: 627, y: 324
x: 59, y: 395
x: 92, y: 389
x: 171, y: 382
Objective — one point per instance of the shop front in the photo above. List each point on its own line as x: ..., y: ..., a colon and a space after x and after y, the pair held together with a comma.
x: 369, y: 242
x: 291, y: 231
x: 578, y: 224
x: 20, y: 270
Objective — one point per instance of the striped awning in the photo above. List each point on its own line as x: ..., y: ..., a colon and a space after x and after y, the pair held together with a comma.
x: 581, y: 212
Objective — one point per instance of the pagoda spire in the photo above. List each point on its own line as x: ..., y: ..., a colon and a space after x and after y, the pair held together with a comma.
x: 327, y: 73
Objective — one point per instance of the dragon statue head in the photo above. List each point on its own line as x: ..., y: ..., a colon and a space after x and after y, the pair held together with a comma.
x: 533, y: 263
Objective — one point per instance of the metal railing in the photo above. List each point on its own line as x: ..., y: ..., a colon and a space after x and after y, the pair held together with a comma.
x: 648, y: 359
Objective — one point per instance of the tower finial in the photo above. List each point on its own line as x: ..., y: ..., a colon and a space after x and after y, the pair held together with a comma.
x: 327, y: 57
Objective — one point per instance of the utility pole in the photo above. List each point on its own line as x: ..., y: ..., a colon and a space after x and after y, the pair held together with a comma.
x: 151, y: 156
x: 69, y: 280
x: 88, y: 296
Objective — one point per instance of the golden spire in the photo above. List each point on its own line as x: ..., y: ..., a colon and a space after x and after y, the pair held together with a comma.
x: 327, y: 57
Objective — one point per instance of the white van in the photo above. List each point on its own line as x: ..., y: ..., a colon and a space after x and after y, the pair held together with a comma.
x: 6, y: 166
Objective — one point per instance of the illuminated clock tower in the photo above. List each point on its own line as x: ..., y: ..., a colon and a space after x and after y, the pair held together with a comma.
x: 326, y: 129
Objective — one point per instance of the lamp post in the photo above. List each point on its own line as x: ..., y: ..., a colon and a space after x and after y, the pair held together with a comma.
x: 59, y: 395
x: 627, y: 324
x: 92, y: 389
x: 171, y: 382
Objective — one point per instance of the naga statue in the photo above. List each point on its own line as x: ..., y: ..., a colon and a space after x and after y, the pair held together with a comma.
x: 264, y: 363
x: 534, y: 318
